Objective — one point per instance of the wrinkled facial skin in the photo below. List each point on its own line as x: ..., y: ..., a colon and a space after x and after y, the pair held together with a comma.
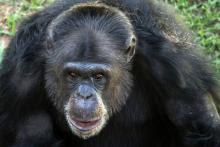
x: 87, y: 89
x: 85, y: 111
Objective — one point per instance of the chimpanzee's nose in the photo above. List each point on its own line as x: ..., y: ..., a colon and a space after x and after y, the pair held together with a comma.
x: 85, y: 92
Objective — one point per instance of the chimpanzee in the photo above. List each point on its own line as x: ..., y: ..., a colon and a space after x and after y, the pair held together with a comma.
x: 107, y: 73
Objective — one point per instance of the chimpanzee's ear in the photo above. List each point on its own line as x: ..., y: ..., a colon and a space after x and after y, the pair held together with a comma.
x: 48, y: 43
x: 49, y: 38
x: 130, y: 51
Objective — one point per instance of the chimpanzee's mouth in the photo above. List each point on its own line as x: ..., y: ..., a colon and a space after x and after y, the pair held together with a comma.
x: 85, y: 125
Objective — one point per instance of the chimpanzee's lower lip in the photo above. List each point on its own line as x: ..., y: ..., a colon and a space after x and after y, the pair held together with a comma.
x: 85, y: 125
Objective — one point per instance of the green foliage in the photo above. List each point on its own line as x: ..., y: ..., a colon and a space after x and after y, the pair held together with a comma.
x: 1, y: 50
x: 11, y: 22
x: 204, y: 18
x: 33, y: 5
x: 20, y: 9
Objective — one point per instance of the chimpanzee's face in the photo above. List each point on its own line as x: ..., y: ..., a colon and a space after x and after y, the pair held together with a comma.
x: 89, y: 79
x: 87, y: 66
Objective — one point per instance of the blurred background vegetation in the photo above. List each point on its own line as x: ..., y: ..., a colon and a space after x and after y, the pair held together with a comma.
x: 203, y: 16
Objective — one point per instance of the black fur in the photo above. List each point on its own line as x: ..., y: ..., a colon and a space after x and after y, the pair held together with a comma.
x: 173, y: 101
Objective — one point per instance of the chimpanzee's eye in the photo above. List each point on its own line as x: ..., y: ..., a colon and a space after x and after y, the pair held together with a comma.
x: 98, y: 76
x: 73, y: 74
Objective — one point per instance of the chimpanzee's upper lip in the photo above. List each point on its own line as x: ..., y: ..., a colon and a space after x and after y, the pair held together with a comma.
x: 85, y: 125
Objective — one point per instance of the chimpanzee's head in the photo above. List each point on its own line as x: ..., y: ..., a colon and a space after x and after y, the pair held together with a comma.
x: 88, y: 77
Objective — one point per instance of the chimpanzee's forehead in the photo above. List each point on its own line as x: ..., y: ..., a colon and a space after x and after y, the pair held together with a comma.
x: 89, y: 45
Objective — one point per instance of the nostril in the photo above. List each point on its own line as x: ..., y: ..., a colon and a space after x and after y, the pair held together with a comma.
x: 84, y: 96
x: 89, y: 96
x: 78, y: 94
